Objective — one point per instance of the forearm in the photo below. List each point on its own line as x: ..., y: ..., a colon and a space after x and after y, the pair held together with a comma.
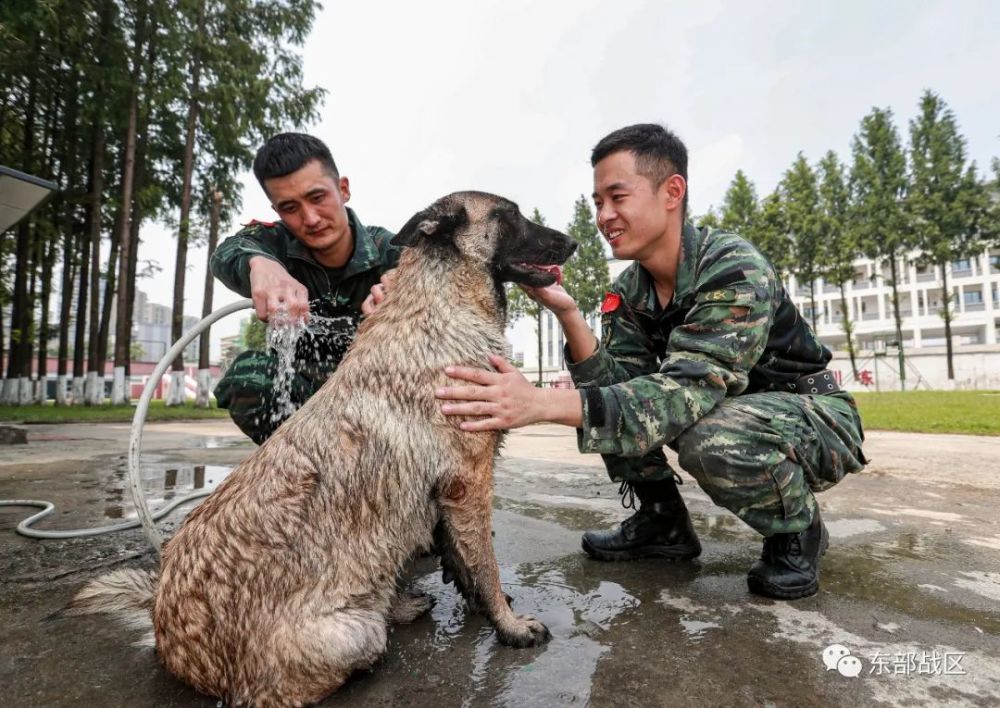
x: 562, y: 406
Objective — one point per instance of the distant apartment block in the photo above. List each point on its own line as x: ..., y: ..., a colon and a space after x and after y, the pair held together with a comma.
x: 151, y: 329
x: 974, y: 285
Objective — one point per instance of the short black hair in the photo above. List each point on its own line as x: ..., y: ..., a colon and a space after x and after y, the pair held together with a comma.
x: 287, y: 152
x: 658, y: 152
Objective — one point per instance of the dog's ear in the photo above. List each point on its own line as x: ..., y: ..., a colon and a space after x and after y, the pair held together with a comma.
x: 434, y: 222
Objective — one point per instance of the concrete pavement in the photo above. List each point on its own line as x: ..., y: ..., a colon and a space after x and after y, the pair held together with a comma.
x: 910, y: 586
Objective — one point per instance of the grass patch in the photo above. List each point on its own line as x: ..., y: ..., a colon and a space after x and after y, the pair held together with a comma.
x: 968, y: 412
x: 105, y: 414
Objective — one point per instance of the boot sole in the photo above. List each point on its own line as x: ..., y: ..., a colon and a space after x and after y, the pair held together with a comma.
x: 669, y: 552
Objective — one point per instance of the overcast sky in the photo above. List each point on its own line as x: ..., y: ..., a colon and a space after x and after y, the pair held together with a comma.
x: 509, y: 97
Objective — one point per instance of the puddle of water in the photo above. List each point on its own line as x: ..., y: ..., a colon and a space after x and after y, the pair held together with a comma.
x: 161, y: 483
x: 695, y: 629
x: 843, y: 528
x: 981, y: 583
x: 578, y: 610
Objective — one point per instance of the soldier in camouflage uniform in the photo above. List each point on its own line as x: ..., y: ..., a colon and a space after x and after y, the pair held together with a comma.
x: 701, y: 350
x: 319, y: 259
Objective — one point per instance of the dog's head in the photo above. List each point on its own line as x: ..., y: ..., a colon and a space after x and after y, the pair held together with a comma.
x: 490, y: 230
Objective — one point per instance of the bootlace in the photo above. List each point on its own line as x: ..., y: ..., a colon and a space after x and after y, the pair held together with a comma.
x: 627, y: 494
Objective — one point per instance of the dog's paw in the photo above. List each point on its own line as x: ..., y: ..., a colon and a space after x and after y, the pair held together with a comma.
x: 523, y: 632
x: 409, y: 605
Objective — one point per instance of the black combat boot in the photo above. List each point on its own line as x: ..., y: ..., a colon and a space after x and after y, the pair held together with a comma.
x: 789, y: 566
x: 661, y: 527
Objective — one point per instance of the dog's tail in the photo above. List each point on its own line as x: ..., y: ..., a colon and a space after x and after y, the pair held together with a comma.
x: 126, y: 594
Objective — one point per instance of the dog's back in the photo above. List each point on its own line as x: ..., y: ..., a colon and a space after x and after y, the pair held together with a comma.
x: 278, y: 585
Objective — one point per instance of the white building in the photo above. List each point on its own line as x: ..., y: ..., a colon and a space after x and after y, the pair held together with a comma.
x: 975, y: 302
x: 975, y: 291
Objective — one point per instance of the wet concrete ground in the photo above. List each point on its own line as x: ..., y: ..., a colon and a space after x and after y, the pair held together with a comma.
x: 910, y: 586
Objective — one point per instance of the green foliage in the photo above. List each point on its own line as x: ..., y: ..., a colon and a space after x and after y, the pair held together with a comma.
x: 253, y: 334
x: 800, y: 197
x: 707, y: 220
x: 769, y: 233
x: 836, y: 234
x: 71, y: 71
x: 878, y: 187
x: 585, y: 275
x: 739, y: 207
x: 945, y: 204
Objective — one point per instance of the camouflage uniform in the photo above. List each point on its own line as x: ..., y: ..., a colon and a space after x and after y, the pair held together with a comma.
x: 247, y: 389
x: 713, y: 376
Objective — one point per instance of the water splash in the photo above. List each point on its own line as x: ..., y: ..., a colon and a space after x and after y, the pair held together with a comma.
x: 283, y: 333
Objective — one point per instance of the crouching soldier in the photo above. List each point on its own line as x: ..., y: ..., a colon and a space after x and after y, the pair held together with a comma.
x: 701, y: 350
x: 319, y: 262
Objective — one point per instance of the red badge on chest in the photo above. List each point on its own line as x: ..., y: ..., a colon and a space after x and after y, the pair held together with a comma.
x: 257, y: 222
x: 611, y: 303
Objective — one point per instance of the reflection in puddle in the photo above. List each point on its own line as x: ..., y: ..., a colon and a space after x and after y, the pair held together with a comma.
x: 161, y: 483
x: 578, y: 609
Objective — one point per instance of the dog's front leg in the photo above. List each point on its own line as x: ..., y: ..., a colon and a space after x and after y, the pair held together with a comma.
x: 464, y: 540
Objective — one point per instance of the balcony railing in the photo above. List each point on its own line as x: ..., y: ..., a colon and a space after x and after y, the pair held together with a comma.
x: 926, y: 277
x: 869, y: 316
x: 974, y: 307
x: 963, y: 273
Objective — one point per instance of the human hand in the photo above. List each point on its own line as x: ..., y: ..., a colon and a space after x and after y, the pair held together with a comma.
x: 273, y: 289
x: 552, y: 297
x: 378, y: 291
x: 505, y: 398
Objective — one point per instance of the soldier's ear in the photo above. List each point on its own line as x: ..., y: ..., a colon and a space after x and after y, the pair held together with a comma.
x: 435, y: 221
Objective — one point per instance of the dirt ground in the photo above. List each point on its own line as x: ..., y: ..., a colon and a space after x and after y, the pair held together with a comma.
x: 910, y: 586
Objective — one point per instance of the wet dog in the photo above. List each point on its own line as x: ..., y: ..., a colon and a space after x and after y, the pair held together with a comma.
x: 282, y: 583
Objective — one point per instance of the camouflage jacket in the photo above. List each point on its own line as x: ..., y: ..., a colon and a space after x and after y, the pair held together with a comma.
x: 730, y: 328
x: 339, y: 290
x: 336, y: 294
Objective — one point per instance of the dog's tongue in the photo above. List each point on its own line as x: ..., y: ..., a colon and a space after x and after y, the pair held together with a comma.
x: 554, y: 270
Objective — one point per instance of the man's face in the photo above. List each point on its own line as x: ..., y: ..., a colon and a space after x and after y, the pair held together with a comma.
x: 311, y: 202
x: 632, y: 214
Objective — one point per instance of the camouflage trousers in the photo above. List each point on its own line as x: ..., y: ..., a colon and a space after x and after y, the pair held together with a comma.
x: 762, y: 456
x: 248, y: 391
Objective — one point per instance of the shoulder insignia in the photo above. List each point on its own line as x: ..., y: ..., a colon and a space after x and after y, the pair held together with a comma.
x: 611, y: 303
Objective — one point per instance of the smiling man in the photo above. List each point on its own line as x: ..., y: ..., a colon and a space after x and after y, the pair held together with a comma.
x: 701, y: 350
x: 319, y: 260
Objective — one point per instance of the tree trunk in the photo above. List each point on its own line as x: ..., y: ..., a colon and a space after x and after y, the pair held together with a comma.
x: 48, y: 263
x: 19, y: 351
x: 893, y: 268
x: 946, y: 315
x: 69, y: 242
x: 204, y: 372
x: 119, y: 391
x: 184, y: 226
x: 93, y: 396
x: 848, y: 330
x: 104, y: 330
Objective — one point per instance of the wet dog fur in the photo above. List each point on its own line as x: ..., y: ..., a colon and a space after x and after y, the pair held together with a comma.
x: 284, y: 580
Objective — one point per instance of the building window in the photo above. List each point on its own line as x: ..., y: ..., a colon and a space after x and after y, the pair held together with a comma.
x: 963, y: 265
x: 972, y: 297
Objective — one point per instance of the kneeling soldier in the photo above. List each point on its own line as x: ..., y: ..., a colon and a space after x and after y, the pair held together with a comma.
x: 701, y: 350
